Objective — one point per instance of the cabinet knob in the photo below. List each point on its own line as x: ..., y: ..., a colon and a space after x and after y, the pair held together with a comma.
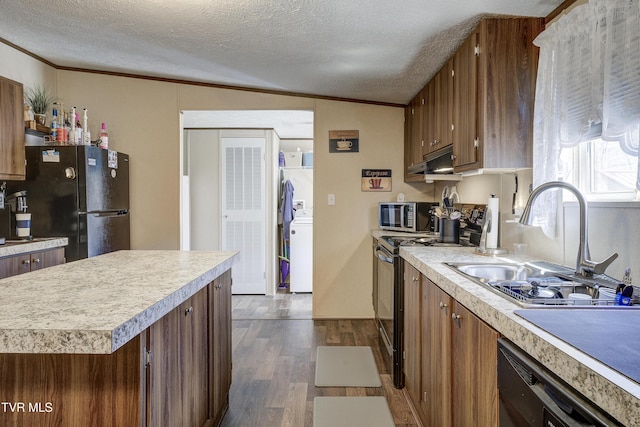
x: 443, y: 305
x: 414, y: 278
x: 188, y: 311
x: 26, y: 261
x: 456, y: 318
x: 36, y: 261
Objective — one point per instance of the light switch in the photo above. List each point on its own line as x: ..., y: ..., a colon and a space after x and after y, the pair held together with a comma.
x: 331, y: 199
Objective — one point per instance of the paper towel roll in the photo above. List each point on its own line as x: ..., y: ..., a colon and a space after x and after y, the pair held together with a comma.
x: 493, y: 206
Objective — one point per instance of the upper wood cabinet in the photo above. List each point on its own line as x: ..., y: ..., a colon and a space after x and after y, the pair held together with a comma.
x: 439, y: 110
x: 495, y: 73
x: 481, y: 101
x: 465, y: 100
x: 12, y: 165
x: 413, y: 140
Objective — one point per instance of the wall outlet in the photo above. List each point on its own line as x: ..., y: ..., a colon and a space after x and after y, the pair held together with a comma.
x: 331, y: 199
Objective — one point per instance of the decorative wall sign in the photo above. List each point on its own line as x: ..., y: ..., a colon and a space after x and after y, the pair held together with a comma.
x: 376, y: 180
x: 344, y: 141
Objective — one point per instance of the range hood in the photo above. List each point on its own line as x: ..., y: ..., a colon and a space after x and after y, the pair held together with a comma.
x: 437, y: 166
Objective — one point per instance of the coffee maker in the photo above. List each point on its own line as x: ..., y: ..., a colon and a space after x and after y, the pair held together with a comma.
x: 17, y: 204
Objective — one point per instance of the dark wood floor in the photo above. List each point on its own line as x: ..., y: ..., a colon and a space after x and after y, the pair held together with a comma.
x: 274, y: 367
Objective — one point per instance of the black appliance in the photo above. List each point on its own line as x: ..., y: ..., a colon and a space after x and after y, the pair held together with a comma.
x: 388, y: 296
x: 437, y: 163
x: 530, y: 395
x: 79, y: 192
x: 405, y: 216
x: 388, y: 305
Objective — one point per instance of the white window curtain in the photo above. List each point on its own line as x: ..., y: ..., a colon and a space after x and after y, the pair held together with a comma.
x: 588, y: 86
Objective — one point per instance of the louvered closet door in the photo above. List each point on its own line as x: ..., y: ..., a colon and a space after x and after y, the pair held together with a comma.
x: 243, y: 211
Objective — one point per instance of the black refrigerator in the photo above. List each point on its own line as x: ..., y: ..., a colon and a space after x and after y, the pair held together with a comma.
x: 79, y: 192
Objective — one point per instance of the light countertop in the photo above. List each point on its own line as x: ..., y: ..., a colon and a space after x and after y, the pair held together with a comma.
x: 96, y: 305
x: 11, y: 248
x: 612, y: 391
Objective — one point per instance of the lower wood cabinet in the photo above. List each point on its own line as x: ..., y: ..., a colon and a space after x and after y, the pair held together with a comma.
x: 178, y: 366
x: 176, y: 373
x: 190, y: 360
x: 24, y: 263
x: 451, y: 376
x: 220, y: 345
x: 435, y: 402
x: 412, y: 332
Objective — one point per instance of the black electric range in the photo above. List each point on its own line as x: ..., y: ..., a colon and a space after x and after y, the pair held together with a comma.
x: 393, y: 243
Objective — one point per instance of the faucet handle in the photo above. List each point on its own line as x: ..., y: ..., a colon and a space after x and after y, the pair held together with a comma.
x: 600, y: 267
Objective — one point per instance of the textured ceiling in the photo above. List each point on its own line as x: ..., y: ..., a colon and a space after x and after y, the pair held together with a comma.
x: 373, y: 50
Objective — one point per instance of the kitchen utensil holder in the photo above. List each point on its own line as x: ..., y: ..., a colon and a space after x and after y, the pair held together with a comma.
x: 449, y: 230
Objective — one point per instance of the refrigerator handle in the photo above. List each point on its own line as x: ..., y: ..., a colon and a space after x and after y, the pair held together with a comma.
x: 120, y: 212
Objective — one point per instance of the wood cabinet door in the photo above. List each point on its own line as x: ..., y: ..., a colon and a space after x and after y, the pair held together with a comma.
x: 178, y: 372
x: 24, y: 263
x: 417, y: 131
x: 412, y: 333
x: 165, y: 385
x: 436, y: 355
x: 47, y: 258
x: 194, y: 359
x: 475, y: 384
x: 444, y: 106
x: 220, y: 354
x: 413, y: 137
x: 507, y: 72
x: 429, y: 112
x: 465, y: 102
x: 11, y: 130
x: 14, y: 265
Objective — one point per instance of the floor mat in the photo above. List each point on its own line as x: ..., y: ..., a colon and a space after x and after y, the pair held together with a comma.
x: 346, y: 366
x: 351, y: 411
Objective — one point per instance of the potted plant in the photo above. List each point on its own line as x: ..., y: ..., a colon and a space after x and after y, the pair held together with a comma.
x: 40, y: 100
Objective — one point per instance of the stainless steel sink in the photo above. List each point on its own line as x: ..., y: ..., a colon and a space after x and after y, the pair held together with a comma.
x: 540, y: 284
x: 493, y: 272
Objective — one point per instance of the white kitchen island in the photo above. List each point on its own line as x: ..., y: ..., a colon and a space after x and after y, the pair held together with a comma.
x: 126, y: 338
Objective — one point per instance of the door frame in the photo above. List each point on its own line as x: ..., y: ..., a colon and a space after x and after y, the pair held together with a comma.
x: 272, y: 143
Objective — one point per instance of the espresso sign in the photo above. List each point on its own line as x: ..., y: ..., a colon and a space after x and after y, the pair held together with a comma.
x: 376, y: 180
x: 344, y: 141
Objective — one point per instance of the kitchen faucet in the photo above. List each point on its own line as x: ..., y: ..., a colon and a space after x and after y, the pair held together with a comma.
x: 584, y: 266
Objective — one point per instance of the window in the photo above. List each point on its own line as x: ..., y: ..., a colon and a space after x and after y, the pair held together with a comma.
x: 600, y: 169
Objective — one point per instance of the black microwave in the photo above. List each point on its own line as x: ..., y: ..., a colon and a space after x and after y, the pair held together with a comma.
x: 405, y: 216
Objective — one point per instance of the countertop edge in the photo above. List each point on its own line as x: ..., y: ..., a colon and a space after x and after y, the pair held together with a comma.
x: 9, y: 250
x: 130, y: 329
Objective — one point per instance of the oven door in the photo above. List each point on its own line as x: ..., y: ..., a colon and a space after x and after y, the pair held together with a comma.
x: 385, y: 300
x: 388, y: 309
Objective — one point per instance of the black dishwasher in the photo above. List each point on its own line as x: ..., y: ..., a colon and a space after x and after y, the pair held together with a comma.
x: 531, y: 395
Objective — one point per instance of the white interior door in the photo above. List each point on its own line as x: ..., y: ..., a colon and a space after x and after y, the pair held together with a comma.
x: 243, y: 188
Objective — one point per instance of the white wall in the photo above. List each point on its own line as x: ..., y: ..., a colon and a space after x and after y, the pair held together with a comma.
x: 202, y: 149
